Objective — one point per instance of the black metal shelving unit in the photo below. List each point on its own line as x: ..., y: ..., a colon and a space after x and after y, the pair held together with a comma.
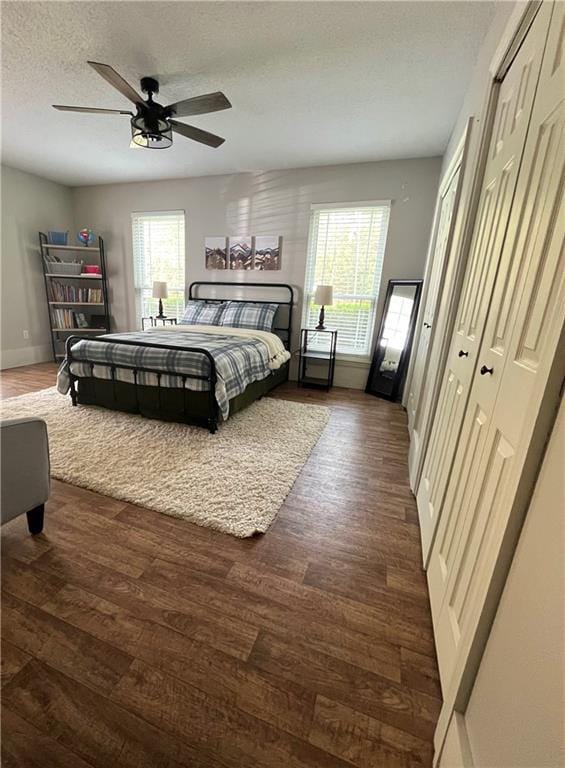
x: 99, y: 310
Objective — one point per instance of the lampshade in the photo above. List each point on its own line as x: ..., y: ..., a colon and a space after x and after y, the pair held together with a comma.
x: 159, y: 289
x: 324, y: 295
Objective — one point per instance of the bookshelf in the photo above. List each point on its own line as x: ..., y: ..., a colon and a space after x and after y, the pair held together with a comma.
x: 77, y: 303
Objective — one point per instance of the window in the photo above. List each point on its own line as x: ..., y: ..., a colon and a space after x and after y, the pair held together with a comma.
x: 346, y: 250
x: 158, y: 254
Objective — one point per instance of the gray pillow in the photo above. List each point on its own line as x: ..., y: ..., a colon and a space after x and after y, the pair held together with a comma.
x: 244, y: 314
x: 202, y: 313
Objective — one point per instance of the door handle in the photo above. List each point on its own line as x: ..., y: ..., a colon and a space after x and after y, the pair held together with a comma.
x: 462, y: 353
x: 485, y: 370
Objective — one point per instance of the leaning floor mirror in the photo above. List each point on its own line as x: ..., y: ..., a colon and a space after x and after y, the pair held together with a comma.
x: 392, y: 350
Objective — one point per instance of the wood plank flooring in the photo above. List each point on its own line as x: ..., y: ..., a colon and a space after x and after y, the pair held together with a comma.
x: 134, y: 639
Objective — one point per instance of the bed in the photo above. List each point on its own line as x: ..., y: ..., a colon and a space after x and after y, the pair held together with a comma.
x: 195, y: 374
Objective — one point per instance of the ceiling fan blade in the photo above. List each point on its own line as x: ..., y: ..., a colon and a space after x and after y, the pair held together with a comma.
x: 196, y: 134
x: 63, y: 108
x: 200, y: 105
x: 115, y: 79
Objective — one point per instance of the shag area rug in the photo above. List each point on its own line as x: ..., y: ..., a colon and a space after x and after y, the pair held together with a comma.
x: 234, y: 481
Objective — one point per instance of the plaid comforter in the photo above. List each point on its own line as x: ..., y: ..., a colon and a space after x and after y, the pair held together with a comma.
x: 239, y: 361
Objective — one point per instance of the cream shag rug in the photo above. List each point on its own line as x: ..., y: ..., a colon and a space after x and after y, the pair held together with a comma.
x: 234, y: 481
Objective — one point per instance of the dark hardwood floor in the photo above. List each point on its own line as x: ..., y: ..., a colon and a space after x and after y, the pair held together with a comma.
x: 134, y: 639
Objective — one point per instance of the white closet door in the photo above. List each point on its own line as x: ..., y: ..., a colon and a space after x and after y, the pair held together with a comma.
x: 439, y: 281
x: 499, y: 448
x: 510, y: 126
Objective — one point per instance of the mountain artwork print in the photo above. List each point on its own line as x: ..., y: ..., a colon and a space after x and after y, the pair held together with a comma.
x: 241, y: 252
x: 216, y: 252
x: 267, y: 252
x: 261, y: 252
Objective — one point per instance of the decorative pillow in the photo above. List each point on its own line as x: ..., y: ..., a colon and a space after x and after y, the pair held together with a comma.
x: 202, y: 313
x: 243, y: 314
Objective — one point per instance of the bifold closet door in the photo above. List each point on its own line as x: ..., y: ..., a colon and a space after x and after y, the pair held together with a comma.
x: 505, y: 424
x: 437, y: 258
x: 510, y: 125
x: 440, y: 279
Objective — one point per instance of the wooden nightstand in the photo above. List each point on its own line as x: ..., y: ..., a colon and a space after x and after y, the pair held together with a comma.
x: 316, y: 365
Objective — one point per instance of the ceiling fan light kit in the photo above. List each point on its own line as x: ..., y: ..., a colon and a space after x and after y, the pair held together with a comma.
x: 157, y: 134
x: 152, y: 125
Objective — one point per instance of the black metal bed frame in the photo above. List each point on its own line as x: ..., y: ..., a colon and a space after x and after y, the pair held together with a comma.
x: 211, y: 378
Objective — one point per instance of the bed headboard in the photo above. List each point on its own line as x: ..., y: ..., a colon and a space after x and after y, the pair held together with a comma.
x: 258, y: 293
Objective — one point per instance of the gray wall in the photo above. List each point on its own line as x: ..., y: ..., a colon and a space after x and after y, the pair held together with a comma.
x: 29, y: 204
x: 273, y: 202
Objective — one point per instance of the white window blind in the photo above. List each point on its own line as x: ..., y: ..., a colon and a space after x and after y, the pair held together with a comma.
x: 346, y: 250
x: 159, y: 254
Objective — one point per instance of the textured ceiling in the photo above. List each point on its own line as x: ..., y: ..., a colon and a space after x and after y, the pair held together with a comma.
x: 311, y: 83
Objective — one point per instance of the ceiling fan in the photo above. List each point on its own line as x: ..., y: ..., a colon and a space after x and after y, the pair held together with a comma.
x: 152, y: 125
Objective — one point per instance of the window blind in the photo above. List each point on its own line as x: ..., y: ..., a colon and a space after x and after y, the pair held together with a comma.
x: 158, y: 241
x: 346, y: 250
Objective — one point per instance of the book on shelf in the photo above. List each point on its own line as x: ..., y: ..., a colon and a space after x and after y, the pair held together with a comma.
x: 62, y: 292
x: 64, y: 318
x: 68, y: 318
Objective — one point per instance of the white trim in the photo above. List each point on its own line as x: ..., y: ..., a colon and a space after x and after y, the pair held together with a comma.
x: 158, y: 213
x: 514, y: 33
x: 13, y: 358
x: 456, y: 748
x: 350, y: 204
x: 376, y: 211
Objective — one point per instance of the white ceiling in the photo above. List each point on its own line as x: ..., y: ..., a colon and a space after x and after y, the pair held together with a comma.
x: 311, y: 83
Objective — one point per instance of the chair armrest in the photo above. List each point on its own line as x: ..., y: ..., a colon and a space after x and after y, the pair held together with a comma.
x: 24, y: 465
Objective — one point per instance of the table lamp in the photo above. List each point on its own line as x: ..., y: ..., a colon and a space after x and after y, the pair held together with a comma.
x: 160, y: 292
x: 324, y: 297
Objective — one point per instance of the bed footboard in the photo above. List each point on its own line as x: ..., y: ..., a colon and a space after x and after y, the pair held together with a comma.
x: 211, y: 412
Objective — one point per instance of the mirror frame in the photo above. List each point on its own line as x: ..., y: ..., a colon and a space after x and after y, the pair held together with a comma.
x: 379, y: 351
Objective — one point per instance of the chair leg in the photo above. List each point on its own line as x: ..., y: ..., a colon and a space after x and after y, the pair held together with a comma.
x: 35, y: 519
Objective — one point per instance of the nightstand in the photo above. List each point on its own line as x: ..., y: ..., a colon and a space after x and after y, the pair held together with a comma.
x: 153, y: 321
x: 317, y: 358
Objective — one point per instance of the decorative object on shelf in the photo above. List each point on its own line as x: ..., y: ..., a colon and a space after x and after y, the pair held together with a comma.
x: 77, y: 300
x: 58, y: 238
x: 70, y: 268
x: 152, y: 125
x: 394, y: 342
x: 85, y: 236
x: 216, y: 252
x: 255, y: 252
x: 81, y: 320
x: 323, y: 297
x: 160, y: 292
x: 317, y: 351
x: 241, y: 252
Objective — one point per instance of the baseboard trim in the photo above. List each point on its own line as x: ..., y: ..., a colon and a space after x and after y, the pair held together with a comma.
x: 13, y: 358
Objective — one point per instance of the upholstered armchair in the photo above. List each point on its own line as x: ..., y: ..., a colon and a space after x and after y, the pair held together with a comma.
x: 24, y: 470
